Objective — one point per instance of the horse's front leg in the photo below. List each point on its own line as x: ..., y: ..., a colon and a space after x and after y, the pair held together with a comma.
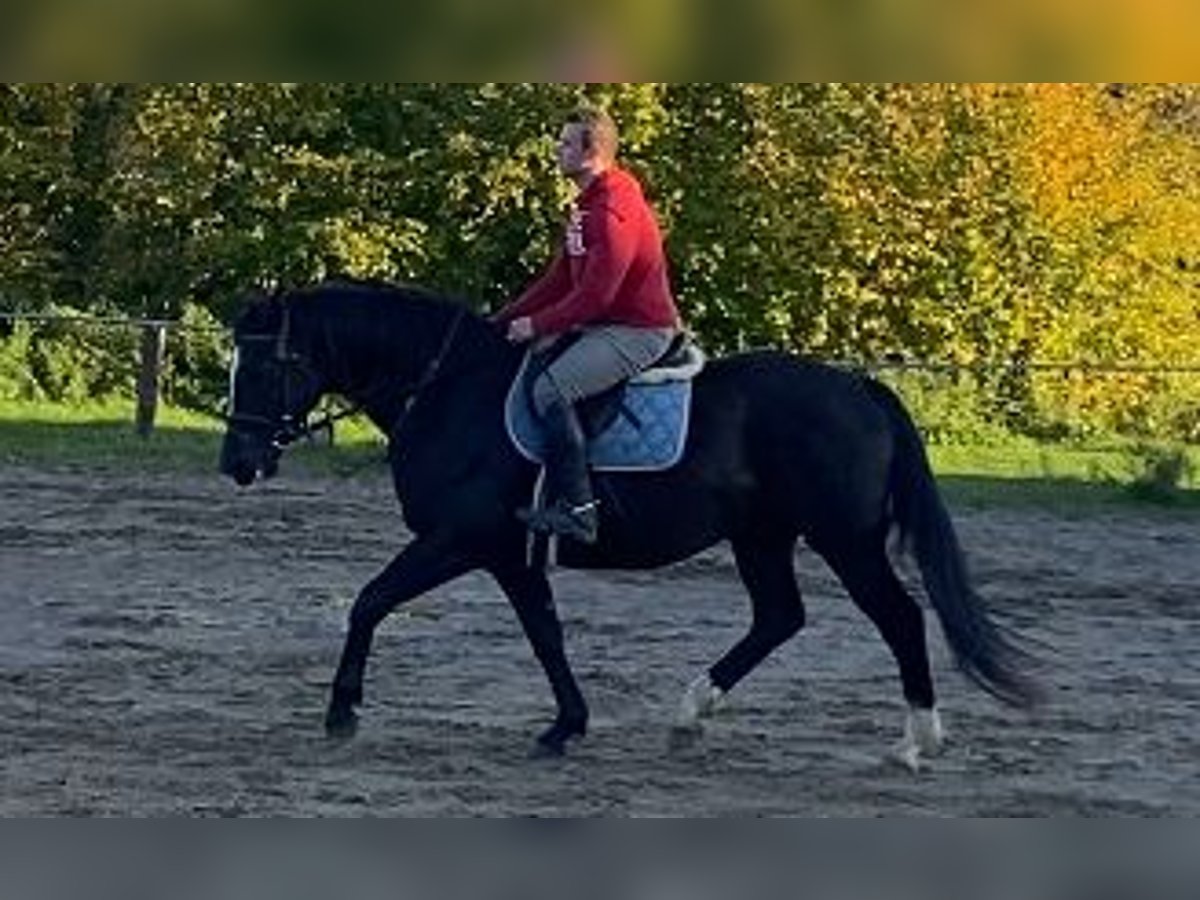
x: 421, y: 566
x: 529, y: 592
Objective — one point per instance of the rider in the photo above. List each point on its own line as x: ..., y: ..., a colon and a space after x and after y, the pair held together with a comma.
x: 608, y: 283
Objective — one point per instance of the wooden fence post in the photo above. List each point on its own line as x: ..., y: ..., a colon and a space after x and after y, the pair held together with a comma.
x: 153, y: 349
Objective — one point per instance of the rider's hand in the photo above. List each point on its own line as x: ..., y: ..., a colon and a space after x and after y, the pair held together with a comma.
x: 520, y: 330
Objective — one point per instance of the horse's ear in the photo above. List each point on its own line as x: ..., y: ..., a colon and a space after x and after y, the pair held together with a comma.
x: 260, y: 307
x: 266, y: 289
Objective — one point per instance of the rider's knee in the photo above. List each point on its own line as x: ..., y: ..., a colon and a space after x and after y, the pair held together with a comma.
x: 546, y: 394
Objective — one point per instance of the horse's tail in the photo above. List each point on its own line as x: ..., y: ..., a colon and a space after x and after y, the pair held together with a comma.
x: 980, y: 647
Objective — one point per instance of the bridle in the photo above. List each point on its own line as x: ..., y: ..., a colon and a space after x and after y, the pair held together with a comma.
x: 285, y: 429
x: 289, y: 428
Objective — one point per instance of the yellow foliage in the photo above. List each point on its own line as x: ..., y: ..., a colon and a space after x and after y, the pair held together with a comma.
x: 1114, y: 188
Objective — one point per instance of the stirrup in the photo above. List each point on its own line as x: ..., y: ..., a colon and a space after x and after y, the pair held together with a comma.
x: 579, y: 522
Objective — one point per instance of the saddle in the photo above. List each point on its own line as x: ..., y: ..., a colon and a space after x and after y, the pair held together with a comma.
x: 681, y: 361
x: 639, y: 424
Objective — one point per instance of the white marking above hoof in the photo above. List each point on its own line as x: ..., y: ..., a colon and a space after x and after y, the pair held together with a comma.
x: 701, y: 699
x: 923, y: 738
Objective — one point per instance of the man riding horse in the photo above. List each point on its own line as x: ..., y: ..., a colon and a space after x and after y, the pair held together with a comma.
x: 609, y: 285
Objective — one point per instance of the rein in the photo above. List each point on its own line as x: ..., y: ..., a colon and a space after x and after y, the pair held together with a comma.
x: 288, y: 429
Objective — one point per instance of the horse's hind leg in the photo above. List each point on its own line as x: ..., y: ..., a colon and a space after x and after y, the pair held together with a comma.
x: 766, y: 568
x: 868, y: 576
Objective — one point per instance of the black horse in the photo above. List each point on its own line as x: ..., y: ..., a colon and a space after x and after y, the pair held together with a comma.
x: 779, y: 449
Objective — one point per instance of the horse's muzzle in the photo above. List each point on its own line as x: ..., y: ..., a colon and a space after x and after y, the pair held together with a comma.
x: 245, y: 459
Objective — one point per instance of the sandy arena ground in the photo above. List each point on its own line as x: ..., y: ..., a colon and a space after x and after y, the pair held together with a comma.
x: 166, y: 646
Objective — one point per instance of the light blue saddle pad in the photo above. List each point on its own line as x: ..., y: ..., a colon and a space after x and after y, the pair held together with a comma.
x: 648, y: 434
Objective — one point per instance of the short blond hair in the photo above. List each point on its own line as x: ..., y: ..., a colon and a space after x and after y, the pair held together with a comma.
x: 599, y: 130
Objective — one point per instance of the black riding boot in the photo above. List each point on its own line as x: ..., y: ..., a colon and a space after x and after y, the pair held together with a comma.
x: 570, y: 509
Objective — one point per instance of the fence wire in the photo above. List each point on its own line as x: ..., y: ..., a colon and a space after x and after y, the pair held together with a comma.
x: 951, y: 400
x: 886, y: 364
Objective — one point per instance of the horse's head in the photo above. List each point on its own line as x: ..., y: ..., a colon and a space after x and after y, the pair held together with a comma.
x: 272, y: 389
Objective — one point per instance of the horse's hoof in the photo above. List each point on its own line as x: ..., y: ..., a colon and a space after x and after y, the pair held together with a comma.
x: 341, y: 724
x: 552, y: 743
x: 906, y: 757
x: 546, y: 749
x: 683, y: 737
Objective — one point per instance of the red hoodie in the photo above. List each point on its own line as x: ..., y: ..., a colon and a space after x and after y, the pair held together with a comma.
x: 611, y: 270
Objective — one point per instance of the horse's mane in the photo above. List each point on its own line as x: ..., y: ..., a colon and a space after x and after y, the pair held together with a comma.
x: 374, y: 289
x: 375, y: 320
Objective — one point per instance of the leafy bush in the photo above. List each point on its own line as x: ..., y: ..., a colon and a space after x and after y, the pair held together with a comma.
x: 952, y: 406
x: 1163, y: 471
x: 17, y: 381
x: 197, y: 360
x: 68, y: 359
